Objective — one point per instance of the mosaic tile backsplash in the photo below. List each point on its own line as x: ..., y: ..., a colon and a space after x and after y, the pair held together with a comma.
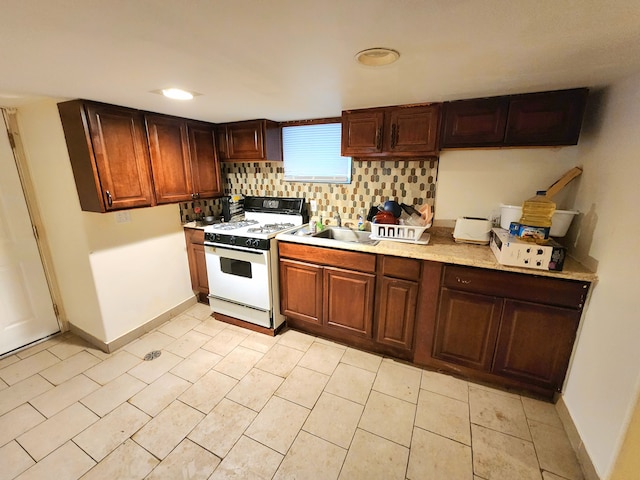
x: 410, y: 181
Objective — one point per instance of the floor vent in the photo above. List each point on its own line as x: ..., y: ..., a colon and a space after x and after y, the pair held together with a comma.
x: 152, y: 355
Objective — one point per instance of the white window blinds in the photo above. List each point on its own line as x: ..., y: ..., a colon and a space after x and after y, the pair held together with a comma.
x: 312, y: 154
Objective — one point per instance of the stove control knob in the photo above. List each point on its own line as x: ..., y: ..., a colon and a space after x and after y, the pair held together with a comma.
x: 249, y: 242
x: 232, y: 240
x: 256, y: 243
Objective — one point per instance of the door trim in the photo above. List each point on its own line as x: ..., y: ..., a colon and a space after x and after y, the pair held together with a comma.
x: 11, y: 123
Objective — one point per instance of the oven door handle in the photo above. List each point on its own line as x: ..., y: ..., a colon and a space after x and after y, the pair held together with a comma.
x: 250, y: 252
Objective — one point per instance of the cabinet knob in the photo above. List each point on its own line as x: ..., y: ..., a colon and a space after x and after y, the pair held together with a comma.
x: 109, y: 198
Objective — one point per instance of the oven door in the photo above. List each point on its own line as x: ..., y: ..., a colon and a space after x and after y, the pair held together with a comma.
x: 239, y: 276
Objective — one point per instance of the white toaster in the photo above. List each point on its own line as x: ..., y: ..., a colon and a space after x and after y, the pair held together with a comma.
x: 472, y: 230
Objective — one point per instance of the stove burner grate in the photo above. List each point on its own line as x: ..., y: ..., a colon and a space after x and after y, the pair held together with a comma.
x: 234, y: 225
x: 270, y: 228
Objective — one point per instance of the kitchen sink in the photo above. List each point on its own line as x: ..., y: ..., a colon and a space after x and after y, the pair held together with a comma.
x: 342, y: 234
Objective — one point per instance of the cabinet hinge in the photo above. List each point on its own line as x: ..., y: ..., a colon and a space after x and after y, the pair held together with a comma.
x: 12, y: 141
x: 35, y: 232
x: 56, y: 311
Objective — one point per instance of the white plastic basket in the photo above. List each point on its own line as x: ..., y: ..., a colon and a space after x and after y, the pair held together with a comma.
x: 399, y: 233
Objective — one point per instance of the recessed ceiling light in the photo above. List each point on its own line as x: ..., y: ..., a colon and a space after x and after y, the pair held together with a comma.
x: 177, y: 94
x: 375, y: 57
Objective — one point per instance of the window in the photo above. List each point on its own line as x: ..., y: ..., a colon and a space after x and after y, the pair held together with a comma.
x: 312, y: 154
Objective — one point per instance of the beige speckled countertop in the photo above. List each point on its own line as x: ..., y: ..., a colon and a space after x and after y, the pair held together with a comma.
x: 443, y: 248
x: 196, y: 225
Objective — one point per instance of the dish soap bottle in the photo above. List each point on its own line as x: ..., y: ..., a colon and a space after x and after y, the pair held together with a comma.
x: 537, y: 211
x: 361, y: 219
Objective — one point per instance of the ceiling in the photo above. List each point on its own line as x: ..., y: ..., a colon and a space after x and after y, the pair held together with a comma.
x: 294, y: 59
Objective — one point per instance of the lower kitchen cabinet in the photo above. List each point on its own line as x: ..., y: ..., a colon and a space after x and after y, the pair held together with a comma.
x: 513, y: 329
x: 535, y: 342
x: 467, y: 328
x: 301, y: 291
x: 333, y: 293
x: 397, y: 296
x: 348, y: 301
x: 197, y: 263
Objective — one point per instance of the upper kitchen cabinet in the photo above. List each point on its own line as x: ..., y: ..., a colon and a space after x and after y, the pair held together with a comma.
x: 391, y: 131
x: 109, y: 155
x: 471, y: 123
x: 251, y: 140
x: 550, y: 118
x: 536, y: 119
x: 184, y: 162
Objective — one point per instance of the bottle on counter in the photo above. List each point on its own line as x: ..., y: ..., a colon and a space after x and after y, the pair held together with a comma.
x: 361, y: 220
x: 535, y: 222
x: 537, y: 211
x: 337, y: 218
x: 312, y: 225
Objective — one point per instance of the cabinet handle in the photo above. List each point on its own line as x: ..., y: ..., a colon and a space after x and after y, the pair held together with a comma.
x: 109, y: 198
x: 197, y: 195
x: 379, y: 138
x: 464, y: 282
x: 394, y: 135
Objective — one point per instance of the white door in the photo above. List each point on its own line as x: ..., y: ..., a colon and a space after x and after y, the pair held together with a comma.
x: 26, y: 308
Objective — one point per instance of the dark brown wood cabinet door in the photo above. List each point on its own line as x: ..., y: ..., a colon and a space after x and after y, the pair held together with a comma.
x: 202, y: 279
x: 535, y: 343
x: 362, y: 132
x: 397, y: 312
x: 412, y: 130
x: 348, y: 301
x: 170, y: 163
x: 205, y: 167
x: 245, y: 140
x: 197, y: 263
x: 474, y: 123
x: 221, y: 135
x: 466, y: 328
x: 121, y: 157
x: 301, y: 291
x: 548, y: 118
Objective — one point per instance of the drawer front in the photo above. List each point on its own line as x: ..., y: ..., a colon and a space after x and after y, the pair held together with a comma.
x: 363, y: 262
x: 398, y: 267
x: 549, y: 291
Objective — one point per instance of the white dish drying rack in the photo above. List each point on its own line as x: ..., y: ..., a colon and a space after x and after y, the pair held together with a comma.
x: 400, y: 233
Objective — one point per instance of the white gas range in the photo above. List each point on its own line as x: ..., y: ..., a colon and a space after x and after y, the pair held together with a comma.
x: 242, y: 260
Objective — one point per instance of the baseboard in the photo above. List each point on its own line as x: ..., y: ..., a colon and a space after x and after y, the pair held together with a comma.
x: 584, y: 459
x: 128, y: 337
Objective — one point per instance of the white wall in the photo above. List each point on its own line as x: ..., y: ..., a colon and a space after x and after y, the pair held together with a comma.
x: 114, y: 277
x: 475, y: 182
x: 48, y: 161
x: 140, y: 267
x: 604, y: 378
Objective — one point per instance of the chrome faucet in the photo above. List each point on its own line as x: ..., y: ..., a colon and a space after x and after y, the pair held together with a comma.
x: 338, y: 219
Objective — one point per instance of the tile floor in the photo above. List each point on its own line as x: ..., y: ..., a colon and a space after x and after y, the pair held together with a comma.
x: 222, y: 402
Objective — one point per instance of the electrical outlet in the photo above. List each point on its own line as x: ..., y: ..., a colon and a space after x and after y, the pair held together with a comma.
x: 123, y: 217
x: 314, y: 206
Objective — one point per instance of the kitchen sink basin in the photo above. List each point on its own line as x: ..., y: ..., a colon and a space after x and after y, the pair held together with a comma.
x: 342, y: 234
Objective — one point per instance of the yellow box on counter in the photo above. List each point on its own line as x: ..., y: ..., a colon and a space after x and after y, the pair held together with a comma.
x: 513, y: 251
